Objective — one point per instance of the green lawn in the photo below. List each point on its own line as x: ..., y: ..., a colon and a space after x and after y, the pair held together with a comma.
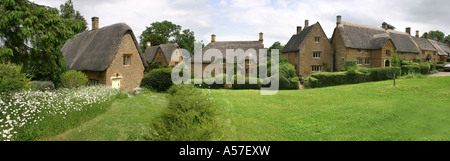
x: 417, y: 109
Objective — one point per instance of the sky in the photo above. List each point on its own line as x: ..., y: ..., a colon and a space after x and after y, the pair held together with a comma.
x: 242, y: 20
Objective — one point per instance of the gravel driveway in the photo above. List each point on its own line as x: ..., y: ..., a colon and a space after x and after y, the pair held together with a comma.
x: 440, y: 74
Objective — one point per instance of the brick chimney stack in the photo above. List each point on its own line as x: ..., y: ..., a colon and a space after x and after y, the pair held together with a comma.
x: 213, y: 38
x: 261, y: 40
x: 408, y: 30
x: 306, y: 23
x: 149, y: 44
x: 299, y: 29
x: 417, y: 33
x: 338, y: 20
x: 95, y: 23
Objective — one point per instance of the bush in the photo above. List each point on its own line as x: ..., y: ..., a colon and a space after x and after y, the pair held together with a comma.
x: 350, y: 64
x: 190, y: 116
x: 312, y: 82
x: 42, y: 85
x: 73, y: 79
x: 379, y: 74
x: 158, y: 79
x: 11, y: 79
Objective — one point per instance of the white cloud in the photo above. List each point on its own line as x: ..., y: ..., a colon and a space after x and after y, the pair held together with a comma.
x: 277, y: 19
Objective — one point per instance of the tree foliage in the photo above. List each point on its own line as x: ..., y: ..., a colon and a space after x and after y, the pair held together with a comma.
x: 389, y: 26
x: 167, y: 32
x: 68, y: 12
x: 32, y: 36
x: 435, y: 35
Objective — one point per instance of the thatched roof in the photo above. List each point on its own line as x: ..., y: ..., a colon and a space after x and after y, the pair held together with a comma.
x: 222, y: 46
x: 424, y: 44
x: 296, y: 40
x: 94, y: 50
x: 150, y: 53
x: 442, y: 48
x: 368, y: 37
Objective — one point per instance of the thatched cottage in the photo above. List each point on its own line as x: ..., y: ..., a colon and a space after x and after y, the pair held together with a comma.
x: 249, y: 47
x: 371, y: 46
x: 309, y: 50
x: 163, y: 54
x: 109, y: 55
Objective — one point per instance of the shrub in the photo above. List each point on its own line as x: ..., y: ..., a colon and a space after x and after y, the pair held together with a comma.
x: 11, y: 79
x: 190, y: 116
x: 287, y: 70
x: 353, y: 64
x: 312, y: 82
x: 158, y: 79
x: 42, y: 85
x: 73, y: 79
x: 379, y: 74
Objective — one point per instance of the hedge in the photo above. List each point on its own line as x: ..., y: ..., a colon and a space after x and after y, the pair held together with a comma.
x: 422, y: 68
x: 325, y: 79
x: 158, y: 79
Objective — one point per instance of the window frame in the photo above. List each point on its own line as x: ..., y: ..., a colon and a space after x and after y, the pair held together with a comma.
x: 316, y: 54
x: 317, y: 39
x: 126, y: 60
x: 359, y: 61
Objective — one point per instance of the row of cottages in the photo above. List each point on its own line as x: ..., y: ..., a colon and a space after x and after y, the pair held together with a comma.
x: 109, y: 55
x: 251, y: 49
x: 310, y: 51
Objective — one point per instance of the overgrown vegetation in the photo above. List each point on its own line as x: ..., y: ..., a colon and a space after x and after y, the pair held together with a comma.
x: 73, y: 79
x: 11, y: 78
x: 30, y: 115
x: 190, y: 116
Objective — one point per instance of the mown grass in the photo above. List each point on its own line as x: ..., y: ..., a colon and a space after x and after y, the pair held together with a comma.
x: 126, y: 119
x: 417, y: 109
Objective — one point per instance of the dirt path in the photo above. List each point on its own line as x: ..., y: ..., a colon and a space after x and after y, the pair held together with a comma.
x: 440, y: 74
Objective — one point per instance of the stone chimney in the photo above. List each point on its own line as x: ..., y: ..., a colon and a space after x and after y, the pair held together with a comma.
x: 299, y: 29
x: 213, y: 38
x: 408, y: 30
x: 306, y: 23
x: 425, y: 35
x: 417, y: 33
x: 261, y: 37
x: 95, y: 23
x: 149, y: 44
x: 338, y: 20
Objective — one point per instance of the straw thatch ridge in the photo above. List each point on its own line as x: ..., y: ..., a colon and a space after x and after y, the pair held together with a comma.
x: 442, y: 48
x: 94, y: 50
x: 149, y: 55
x: 367, y: 37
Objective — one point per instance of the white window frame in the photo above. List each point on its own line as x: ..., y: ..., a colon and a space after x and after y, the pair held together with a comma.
x: 316, y: 54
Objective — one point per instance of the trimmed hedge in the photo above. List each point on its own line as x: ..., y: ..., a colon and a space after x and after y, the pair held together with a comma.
x: 325, y: 79
x: 422, y: 68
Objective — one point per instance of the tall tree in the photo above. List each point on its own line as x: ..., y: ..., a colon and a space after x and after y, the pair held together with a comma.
x: 32, y: 36
x: 389, y: 26
x: 436, y: 34
x: 67, y: 11
x: 167, y: 32
x: 447, y: 37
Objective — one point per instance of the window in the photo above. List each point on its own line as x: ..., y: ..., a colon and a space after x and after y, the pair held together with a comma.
x: 221, y: 61
x: 248, y: 62
x: 317, y: 39
x: 388, y: 53
x: 316, y: 54
x: 359, y: 51
x: 316, y: 68
x: 359, y: 61
x: 367, y: 61
x: 93, y: 82
x: 126, y: 60
x: 367, y: 51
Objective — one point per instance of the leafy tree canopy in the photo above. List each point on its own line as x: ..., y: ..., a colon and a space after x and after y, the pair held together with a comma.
x: 389, y: 26
x: 32, y: 35
x: 435, y: 35
x: 167, y: 32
